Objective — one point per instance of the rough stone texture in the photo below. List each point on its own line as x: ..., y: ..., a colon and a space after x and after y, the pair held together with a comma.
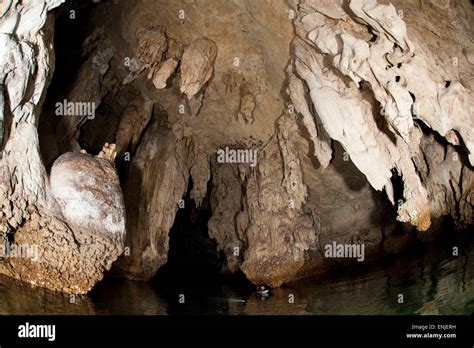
x: 65, y: 263
x: 362, y: 75
x: 360, y: 112
x: 322, y: 146
x: 196, y: 65
x: 161, y: 75
x: 156, y: 179
x: 228, y: 221
x: 279, y: 230
x: 247, y: 104
x: 91, y: 84
x: 89, y: 194
x: 71, y: 258
x: 133, y: 121
x: 152, y: 44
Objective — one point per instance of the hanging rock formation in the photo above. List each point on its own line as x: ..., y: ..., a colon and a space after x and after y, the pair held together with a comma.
x: 196, y: 65
x: 364, y: 75
x: 297, y: 123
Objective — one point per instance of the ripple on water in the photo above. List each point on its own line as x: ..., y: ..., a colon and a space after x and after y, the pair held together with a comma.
x: 430, y: 279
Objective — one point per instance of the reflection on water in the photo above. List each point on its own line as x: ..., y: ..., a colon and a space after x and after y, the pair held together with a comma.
x: 429, y: 278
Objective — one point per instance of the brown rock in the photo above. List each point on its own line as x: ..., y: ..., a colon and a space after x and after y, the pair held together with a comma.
x: 197, y: 65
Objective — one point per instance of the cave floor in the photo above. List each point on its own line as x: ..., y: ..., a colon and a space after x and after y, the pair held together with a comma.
x: 428, y: 277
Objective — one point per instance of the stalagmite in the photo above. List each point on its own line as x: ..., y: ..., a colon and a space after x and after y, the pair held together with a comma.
x: 70, y: 258
x: 269, y: 129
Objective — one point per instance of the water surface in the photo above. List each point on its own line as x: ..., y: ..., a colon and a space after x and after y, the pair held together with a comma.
x: 429, y: 277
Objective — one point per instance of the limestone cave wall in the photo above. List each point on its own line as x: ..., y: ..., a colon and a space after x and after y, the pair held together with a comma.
x: 358, y: 115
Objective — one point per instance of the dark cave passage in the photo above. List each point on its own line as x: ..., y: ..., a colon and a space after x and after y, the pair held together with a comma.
x: 192, y: 255
x: 72, y: 26
x: 194, y: 265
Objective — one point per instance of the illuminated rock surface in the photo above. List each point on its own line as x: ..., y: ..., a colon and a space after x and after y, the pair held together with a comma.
x: 360, y: 115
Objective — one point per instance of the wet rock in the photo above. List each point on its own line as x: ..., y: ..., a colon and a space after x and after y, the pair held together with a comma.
x: 375, y: 127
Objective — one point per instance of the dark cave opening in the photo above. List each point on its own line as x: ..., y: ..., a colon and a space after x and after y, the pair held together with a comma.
x: 71, y: 28
x: 397, y: 183
x: 68, y: 39
x: 193, y: 257
x: 192, y: 254
x: 194, y: 266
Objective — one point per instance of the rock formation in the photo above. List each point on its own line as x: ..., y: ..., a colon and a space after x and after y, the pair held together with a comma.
x: 359, y: 115
x: 386, y: 73
x: 196, y: 65
x: 64, y: 216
